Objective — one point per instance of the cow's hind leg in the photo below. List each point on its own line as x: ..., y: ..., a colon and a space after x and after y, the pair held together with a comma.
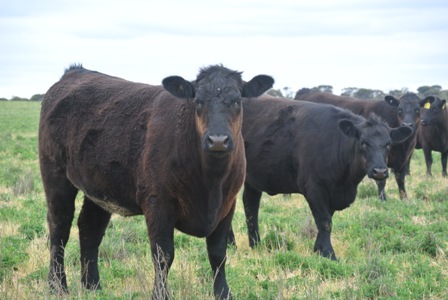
x: 216, y: 247
x: 60, y: 194
x: 92, y: 223
x: 251, y: 200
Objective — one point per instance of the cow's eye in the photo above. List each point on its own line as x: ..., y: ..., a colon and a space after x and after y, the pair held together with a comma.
x: 400, y: 111
x: 417, y: 111
x: 388, y: 147
x: 364, y: 145
x: 236, y: 103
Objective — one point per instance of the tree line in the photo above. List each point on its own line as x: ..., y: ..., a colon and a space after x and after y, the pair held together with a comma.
x: 364, y: 93
x: 36, y: 97
x: 287, y: 92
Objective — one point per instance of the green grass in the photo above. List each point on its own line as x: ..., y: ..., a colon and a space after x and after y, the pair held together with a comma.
x: 387, y: 250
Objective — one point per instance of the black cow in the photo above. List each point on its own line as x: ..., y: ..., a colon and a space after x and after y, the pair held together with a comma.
x: 320, y: 151
x: 396, y: 112
x: 433, y: 134
x: 174, y: 155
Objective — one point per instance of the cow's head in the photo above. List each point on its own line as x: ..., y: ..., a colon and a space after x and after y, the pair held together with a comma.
x: 216, y: 94
x: 374, y: 139
x: 435, y: 112
x: 408, y: 109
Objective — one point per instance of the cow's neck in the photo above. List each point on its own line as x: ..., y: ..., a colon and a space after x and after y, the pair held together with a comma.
x: 444, y: 125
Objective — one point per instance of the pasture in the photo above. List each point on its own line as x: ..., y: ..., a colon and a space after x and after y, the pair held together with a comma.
x: 395, y: 249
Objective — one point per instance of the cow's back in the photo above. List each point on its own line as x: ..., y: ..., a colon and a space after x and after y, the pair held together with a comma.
x: 363, y: 107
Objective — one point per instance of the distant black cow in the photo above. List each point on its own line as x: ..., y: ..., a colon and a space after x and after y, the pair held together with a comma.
x: 396, y: 112
x: 135, y: 149
x: 433, y: 134
x: 318, y: 150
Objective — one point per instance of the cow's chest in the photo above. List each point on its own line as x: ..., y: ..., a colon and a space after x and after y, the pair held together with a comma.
x: 342, y: 197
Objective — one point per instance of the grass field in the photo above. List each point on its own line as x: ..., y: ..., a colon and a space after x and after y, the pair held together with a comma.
x: 387, y: 250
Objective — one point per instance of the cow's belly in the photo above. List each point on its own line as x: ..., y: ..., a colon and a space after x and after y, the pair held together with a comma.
x: 113, y: 197
x: 113, y: 206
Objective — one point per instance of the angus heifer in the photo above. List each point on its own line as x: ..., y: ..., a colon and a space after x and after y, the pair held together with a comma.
x: 320, y: 151
x: 175, y: 155
x: 396, y: 112
x: 433, y: 134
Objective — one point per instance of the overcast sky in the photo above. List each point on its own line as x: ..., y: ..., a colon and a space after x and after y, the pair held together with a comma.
x: 376, y: 44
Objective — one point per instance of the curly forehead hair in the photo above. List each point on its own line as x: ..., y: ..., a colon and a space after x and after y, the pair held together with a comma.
x: 375, y: 120
x: 216, y: 72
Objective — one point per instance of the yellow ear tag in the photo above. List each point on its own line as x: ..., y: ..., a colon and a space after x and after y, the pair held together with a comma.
x: 427, y: 105
x: 443, y: 107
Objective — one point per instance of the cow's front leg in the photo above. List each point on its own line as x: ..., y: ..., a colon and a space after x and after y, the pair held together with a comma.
x: 428, y: 160
x: 323, y: 218
x: 444, y: 158
x: 400, y: 179
x: 216, y: 247
x: 251, y: 200
x: 92, y: 224
x: 381, y: 184
x: 160, y: 225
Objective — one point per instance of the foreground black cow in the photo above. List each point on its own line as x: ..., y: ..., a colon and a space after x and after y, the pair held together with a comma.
x: 318, y: 150
x: 433, y: 134
x: 396, y: 112
x: 135, y: 149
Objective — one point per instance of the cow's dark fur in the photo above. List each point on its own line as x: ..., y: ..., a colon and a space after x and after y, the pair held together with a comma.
x: 135, y: 149
x: 433, y: 132
x: 318, y: 150
x: 396, y: 112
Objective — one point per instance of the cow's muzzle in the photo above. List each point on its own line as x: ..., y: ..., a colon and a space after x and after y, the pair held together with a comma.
x: 218, y: 143
x: 379, y: 173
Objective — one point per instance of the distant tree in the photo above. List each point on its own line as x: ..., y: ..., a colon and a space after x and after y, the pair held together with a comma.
x: 16, y: 98
x: 275, y: 93
x: 301, y: 92
x: 426, y: 90
x: 3, y: 99
x: 363, y: 93
x: 37, y: 97
x: 349, y: 92
x: 398, y: 93
x: 444, y: 94
x: 324, y: 89
x: 289, y: 93
x: 378, y: 95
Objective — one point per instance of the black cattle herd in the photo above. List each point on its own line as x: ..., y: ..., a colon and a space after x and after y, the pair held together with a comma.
x: 179, y: 153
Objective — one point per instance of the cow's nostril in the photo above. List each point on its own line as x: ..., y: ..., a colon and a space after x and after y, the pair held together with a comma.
x: 380, y: 173
x: 218, y: 142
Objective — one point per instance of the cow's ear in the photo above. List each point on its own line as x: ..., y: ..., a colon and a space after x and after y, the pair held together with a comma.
x: 348, y: 128
x: 426, y: 103
x: 400, y: 134
x: 443, y: 103
x: 391, y: 100
x: 257, y: 86
x: 430, y: 99
x: 179, y: 87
